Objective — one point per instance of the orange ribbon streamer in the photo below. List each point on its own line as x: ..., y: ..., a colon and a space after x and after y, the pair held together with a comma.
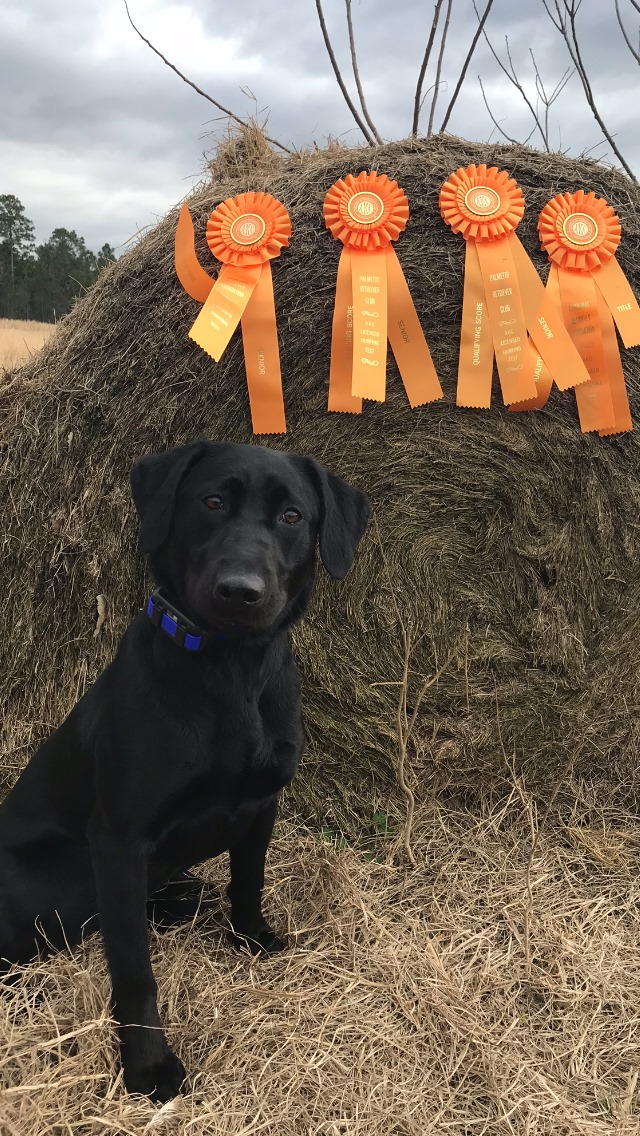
x: 581, y: 233
x: 373, y: 303
x: 505, y: 312
x: 245, y: 233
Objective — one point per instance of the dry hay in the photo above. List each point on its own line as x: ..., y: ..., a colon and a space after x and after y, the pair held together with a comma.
x: 21, y: 339
x: 511, y: 556
x: 475, y: 993
x: 411, y: 1003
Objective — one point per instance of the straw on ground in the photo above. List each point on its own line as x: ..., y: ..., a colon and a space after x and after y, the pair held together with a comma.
x: 405, y: 1006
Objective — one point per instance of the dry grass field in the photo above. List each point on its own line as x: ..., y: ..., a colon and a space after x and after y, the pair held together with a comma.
x: 20, y: 339
x: 480, y: 993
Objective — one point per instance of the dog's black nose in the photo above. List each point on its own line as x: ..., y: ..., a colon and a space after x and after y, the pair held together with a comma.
x: 240, y: 590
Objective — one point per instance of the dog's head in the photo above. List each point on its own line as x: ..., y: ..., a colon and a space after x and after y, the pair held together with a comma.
x: 231, y: 530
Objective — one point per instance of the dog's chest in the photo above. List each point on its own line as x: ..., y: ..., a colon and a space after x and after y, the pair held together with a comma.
x: 252, y: 729
x: 235, y: 771
x: 225, y: 755
x: 225, y: 746
x: 252, y: 754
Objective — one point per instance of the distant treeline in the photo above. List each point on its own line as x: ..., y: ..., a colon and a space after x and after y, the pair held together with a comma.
x: 40, y: 282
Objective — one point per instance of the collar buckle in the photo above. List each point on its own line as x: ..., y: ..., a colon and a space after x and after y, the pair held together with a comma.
x: 168, y: 618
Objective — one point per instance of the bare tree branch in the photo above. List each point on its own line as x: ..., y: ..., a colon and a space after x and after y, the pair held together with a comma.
x: 635, y: 54
x: 425, y: 63
x: 555, y: 23
x: 336, y: 70
x: 229, y: 113
x: 511, y: 75
x: 494, y: 120
x: 356, y: 73
x: 466, y: 63
x: 436, y: 85
x: 548, y: 100
x: 565, y: 22
x: 589, y: 150
x: 541, y: 124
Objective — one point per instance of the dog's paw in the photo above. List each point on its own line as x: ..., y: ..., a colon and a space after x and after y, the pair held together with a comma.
x: 160, y: 1080
x: 263, y: 942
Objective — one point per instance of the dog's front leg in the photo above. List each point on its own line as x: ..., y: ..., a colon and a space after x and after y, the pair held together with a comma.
x: 120, y: 870
x: 246, y: 859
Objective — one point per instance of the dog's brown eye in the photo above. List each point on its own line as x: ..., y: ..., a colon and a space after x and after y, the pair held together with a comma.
x: 291, y: 516
x: 214, y: 502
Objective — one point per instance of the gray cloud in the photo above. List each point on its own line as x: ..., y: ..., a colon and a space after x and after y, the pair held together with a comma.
x: 99, y: 136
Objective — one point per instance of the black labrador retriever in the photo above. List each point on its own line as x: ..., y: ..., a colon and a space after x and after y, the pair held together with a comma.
x: 180, y: 748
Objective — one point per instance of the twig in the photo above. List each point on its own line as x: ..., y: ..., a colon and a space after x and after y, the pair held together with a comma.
x: 403, y: 736
x: 466, y: 63
x: 528, y: 911
x: 590, y: 149
x: 494, y: 120
x: 387, y: 571
x: 401, y: 711
x: 466, y: 666
x: 405, y: 731
x: 405, y: 727
x: 336, y: 70
x: 102, y: 615
x: 356, y: 73
x: 404, y: 724
x: 436, y: 84
x: 541, y: 94
x: 548, y: 100
x: 428, y: 682
x: 417, y: 104
x: 566, y: 25
x: 229, y: 113
x: 535, y: 829
x: 566, y: 769
x: 589, y: 93
x: 534, y: 832
x: 635, y: 54
x: 625, y: 1103
x: 511, y: 75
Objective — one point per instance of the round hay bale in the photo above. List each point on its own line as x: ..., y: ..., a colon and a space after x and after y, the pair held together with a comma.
x: 504, y: 551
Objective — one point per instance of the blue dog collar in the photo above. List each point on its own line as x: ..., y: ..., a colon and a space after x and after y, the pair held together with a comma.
x: 174, y: 624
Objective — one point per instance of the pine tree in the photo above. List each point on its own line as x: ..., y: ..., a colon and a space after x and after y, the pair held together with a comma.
x: 17, y: 248
x: 42, y: 283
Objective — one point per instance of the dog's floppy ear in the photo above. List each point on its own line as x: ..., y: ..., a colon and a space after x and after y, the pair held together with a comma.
x: 154, y: 482
x: 344, y: 515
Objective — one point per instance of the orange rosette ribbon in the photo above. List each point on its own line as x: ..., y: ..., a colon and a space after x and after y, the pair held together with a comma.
x: 373, y: 302
x: 245, y: 233
x: 504, y: 301
x: 581, y: 234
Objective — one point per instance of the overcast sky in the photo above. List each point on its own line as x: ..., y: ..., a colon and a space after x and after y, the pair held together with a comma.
x: 97, y: 135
